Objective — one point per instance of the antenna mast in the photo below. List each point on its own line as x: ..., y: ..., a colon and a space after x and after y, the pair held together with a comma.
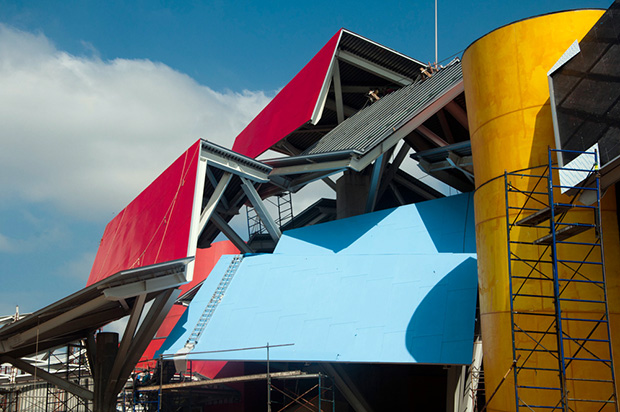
x: 436, y: 58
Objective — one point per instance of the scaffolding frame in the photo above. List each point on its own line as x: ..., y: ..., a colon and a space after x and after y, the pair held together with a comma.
x: 551, y: 272
x: 37, y: 395
x: 319, y: 397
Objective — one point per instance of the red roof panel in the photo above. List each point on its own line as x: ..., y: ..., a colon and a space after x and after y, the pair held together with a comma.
x: 155, y: 226
x: 291, y: 108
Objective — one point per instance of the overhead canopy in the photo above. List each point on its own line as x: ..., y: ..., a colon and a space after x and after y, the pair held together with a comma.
x: 391, y: 286
x: 73, y: 317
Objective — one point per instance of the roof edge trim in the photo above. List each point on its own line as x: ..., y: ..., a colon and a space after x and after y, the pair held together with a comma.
x: 320, y: 102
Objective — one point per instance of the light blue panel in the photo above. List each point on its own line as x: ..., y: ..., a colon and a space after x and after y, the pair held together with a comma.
x: 342, y: 307
x: 443, y: 225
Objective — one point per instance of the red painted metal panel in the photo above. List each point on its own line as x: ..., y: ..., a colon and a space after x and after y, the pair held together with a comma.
x: 155, y: 226
x: 291, y: 108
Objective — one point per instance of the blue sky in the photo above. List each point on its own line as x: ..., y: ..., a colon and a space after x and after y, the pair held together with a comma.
x: 97, y: 98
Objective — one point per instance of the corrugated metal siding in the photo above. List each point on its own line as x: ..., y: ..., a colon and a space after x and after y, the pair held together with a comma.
x: 369, y: 127
x: 380, y: 55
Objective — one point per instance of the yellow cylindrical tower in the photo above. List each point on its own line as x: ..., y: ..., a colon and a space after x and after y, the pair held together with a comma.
x: 507, y: 94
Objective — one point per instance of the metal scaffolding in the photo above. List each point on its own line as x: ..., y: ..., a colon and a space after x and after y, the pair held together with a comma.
x: 289, y: 391
x: 558, y: 298
x: 31, y: 394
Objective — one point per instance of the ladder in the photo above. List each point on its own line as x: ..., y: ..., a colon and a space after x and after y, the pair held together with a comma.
x: 558, y: 297
x: 215, y: 300
x: 282, y: 202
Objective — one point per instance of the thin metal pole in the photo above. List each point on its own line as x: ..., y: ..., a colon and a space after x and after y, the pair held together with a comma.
x: 436, y: 56
x: 268, y: 382
x: 320, y: 388
x: 556, y: 288
x: 512, y: 309
x: 161, y: 378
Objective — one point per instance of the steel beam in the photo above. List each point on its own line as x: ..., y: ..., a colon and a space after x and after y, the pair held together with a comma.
x: 329, y: 182
x: 48, y: 377
x: 360, y: 89
x: 445, y: 126
x: 218, y: 192
x: 298, y: 183
x: 373, y: 68
x: 229, y: 232
x: 257, y: 202
x: 432, y: 136
x: 214, y: 182
x: 374, y: 184
x: 32, y: 333
x: 397, y: 194
x: 347, y: 388
x: 151, y: 322
x: 338, y: 93
x: 231, y: 166
x: 91, y: 349
x: 453, y: 161
x: 406, y: 183
x: 393, y: 169
x: 458, y: 113
x: 347, y: 110
x: 334, y: 165
x: 145, y: 286
x: 128, y: 334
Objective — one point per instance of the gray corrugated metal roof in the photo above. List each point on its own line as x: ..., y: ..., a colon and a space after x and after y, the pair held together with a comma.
x: 379, y: 54
x: 369, y: 127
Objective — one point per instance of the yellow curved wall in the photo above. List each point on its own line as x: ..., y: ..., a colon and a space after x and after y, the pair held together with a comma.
x: 507, y: 94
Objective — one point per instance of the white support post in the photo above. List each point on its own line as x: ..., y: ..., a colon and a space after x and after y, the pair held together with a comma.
x: 374, y: 183
x: 213, y: 201
x: 257, y: 202
x: 373, y: 68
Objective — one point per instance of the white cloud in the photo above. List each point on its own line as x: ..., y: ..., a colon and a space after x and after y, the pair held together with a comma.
x: 44, y: 237
x: 78, y: 268
x: 6, y: 244
x: 87, y: 135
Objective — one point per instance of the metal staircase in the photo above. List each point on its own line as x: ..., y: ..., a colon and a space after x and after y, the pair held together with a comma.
x: 558, y: 298
x: 215, y: 300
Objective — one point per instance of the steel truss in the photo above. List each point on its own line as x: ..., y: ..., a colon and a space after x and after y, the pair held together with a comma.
x: 558, y: 298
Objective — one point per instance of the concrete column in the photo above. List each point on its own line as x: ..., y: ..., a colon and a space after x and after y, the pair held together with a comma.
x: 351, y: 194
x: 107, y: 349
